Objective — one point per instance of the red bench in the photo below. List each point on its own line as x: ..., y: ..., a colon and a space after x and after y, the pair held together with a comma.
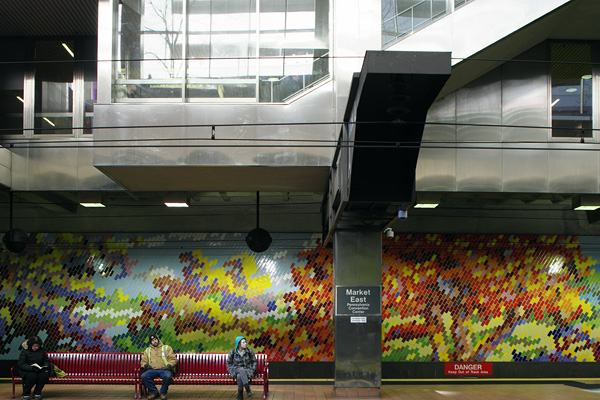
x: 93, y: 369
x: 211, y: 369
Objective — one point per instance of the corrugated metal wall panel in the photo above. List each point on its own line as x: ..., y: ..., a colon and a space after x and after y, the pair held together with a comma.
x: 48, y: 17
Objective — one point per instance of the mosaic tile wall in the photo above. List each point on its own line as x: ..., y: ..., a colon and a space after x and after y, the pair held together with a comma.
x: 491, y: 298
x: 108, y: 293
x: 445, y: 297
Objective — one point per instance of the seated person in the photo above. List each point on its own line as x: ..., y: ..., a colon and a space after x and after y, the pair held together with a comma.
x: 33, y: 367
x: 241, y: 365
x: 159, y: 361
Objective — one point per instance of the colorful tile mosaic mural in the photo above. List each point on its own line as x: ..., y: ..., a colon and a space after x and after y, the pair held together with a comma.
x: 445, y: 297
x: 107, y: 293
x: 491, y: 298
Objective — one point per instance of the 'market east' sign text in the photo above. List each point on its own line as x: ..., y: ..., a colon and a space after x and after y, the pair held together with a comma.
x: 358, y: 300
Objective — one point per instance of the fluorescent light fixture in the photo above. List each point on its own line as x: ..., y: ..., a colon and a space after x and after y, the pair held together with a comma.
x: 586, y: 208
x: 92, y: 205
x: 571, y: 90
x: 48, y: 121
x: 586, y: 77
x: 427, y: 200
x: 554, y: 102
x: 177, y: 199
x: 176, y: 204
x: 426, y: 205
x: 586, y: 202
x: 68, y: 50
x: 91, y: 199
x: 21, y: 99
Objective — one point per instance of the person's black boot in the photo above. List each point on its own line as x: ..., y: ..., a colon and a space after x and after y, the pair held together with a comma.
x: 240, y: 394
x: 248, y: 391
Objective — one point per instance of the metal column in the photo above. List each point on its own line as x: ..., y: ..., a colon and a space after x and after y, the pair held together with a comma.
x: 357, y: 264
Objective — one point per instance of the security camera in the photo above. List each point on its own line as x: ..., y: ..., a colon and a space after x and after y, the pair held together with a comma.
x: 389, y: 233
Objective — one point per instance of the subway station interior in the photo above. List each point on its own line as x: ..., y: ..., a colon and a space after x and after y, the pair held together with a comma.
x: 204, y: 169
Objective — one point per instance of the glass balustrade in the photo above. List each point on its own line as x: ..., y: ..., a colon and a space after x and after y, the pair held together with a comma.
x: 402, y: 17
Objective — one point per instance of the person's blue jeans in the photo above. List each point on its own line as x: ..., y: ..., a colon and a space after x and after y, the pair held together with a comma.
x: 148, y: 379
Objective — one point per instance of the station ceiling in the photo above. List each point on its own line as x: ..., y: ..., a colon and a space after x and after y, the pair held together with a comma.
x: 280, y: 211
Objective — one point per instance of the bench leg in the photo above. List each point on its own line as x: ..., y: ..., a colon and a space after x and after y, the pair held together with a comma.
x: 13, y: 389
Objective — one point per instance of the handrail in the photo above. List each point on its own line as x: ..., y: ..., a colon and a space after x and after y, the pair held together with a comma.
x: 405, y: 10
x: 257, y: 88
x: 409, y: 13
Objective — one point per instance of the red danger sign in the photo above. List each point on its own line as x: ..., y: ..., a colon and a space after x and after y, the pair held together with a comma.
x: 463, y: 369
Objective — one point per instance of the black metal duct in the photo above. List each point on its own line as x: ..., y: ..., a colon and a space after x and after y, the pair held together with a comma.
x: 373, y: 172
x: 395, y: 91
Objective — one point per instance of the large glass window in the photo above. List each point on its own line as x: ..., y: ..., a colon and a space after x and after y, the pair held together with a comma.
x: 90, y: 96
x: 11, y: 106
x: 54, y: 87
x: 220, y: 50
x: 571, y: 103
x: 48, y: 86
x: 12, y: 98
x: 150, y: 49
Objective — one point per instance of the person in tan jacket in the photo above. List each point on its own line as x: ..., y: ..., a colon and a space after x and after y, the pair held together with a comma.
x: 159, y: 361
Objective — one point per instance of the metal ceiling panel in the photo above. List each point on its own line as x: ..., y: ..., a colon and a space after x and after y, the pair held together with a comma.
x: 48, y: 17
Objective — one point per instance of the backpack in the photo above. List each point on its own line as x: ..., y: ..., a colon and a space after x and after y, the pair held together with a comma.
x: 59, y: 372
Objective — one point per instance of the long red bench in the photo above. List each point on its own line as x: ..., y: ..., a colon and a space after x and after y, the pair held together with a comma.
x: 211, y: 369
x: 93, y: 368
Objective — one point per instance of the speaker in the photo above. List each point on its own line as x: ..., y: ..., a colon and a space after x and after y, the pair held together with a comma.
x: 258, y: 240
x: 15, y: 240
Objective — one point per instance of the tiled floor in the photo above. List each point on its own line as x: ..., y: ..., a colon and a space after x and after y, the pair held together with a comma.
x: 572, y: 390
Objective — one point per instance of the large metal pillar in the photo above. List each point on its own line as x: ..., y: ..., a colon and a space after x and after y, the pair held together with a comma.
x: 357, y: 279
x: 384, y: 121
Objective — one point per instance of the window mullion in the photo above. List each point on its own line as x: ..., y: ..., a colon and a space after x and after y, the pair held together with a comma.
x: 184, y: 50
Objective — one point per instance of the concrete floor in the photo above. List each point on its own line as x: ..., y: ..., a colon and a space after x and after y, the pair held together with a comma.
x: 571, y: 390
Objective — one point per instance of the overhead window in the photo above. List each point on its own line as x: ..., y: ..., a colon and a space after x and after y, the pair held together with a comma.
x: 572, y: 89
x: 54, y: 87
x: 12, y: 97
x: 220, y: 50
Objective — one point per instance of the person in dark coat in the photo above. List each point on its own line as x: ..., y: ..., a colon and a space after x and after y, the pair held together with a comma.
x: 34, y: 367
x: 241, y: 365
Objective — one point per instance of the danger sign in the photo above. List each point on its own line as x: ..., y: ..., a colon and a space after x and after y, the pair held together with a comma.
x: 463, y: 369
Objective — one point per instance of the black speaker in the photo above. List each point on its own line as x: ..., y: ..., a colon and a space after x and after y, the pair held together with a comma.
x: 258, y: 240
x: 15, y: 240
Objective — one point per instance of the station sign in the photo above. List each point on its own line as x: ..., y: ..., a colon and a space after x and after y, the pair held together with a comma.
x: 358, y: 300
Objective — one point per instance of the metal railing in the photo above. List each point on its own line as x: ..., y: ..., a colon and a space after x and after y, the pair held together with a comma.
x: 415, y: 18
x: 257, y: 88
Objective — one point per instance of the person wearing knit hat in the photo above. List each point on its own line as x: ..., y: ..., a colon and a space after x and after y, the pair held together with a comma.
x: 33, y: 368
x: 159, y: 361
x: 241, y: 365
